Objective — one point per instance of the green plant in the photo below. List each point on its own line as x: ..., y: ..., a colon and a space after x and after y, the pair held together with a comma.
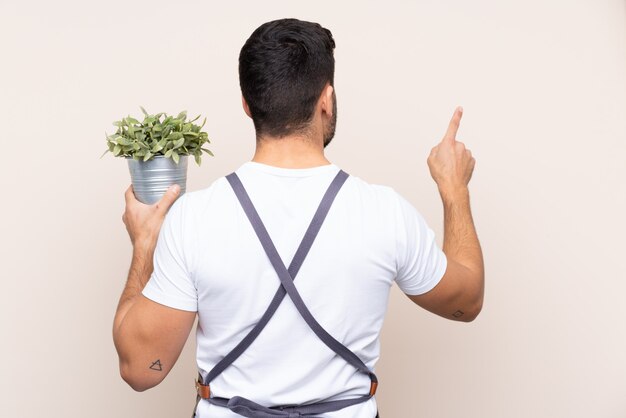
x: 170, y: 137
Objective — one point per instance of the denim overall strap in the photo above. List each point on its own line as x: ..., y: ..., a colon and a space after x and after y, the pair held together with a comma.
x: 242, y: 405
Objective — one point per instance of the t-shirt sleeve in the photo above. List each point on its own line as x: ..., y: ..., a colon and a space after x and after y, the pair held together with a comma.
x: 171, y: 283
x: 420, y: 262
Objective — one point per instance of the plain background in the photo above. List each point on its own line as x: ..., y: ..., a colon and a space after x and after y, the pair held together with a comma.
x: 543, y: 84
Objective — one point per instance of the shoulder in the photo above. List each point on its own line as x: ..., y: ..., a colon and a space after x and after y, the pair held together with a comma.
x: 379, y: 193
x: 193, y: 206
x: 376, y: 205
x: 387, y: 202
x: 197, y: 199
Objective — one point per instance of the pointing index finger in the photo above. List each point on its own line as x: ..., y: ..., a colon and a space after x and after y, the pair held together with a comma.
x: 453, y: 127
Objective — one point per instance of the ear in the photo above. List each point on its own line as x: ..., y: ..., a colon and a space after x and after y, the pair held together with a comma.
x: 246, y: 108
x: 326, y: 100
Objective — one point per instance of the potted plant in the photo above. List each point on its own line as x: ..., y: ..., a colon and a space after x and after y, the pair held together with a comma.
x: 156, y: 150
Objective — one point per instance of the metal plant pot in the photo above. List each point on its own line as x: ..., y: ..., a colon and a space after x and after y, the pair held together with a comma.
x: 152, y: 178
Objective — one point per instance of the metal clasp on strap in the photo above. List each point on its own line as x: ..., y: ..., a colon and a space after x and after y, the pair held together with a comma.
x: 203, y: 391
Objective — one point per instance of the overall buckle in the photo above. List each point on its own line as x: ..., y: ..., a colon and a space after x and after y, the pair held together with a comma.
x: 373, y: 388
x: 203, y: 391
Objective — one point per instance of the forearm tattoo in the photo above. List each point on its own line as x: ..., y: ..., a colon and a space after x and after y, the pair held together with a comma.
x: 458, y: 314
x: 157, y: 366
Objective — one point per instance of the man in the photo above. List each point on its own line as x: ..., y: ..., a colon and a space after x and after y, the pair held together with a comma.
x: 200, y: 254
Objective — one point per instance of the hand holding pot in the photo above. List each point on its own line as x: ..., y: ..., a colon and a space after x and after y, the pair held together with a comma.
x: 143, y: 222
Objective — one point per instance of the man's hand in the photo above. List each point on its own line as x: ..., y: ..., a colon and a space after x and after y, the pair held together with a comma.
x: 450, y: 163
x: 143, y: 222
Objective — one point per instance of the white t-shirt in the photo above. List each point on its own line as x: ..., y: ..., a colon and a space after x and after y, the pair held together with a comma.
x: 208, y: 259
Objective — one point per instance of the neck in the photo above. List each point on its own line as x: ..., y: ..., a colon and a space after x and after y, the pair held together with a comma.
x: 290, y: 152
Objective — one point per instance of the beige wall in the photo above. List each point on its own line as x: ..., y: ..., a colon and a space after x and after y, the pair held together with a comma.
x: 543, y: 84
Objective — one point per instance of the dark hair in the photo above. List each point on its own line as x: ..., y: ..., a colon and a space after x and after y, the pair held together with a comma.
x: 283, y: 68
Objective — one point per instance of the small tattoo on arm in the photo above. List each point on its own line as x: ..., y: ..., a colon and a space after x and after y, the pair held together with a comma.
x: 156, y: 366
x: 458, y: 314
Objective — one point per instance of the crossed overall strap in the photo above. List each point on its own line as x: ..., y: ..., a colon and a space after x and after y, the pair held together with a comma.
x: 246, y: 407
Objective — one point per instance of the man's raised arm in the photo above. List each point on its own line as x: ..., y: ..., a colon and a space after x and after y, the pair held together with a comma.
x: 459, y: 294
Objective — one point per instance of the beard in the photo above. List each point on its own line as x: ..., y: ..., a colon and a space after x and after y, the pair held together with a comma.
x: 329, y: 132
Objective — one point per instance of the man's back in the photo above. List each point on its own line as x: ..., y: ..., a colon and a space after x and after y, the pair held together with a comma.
x: 208, y: 258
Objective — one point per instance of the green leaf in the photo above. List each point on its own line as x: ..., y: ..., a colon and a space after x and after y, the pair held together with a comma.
x: 124, y: 141
x: 175, y: 156
x: 147, y: 156
x: 104, y: 153
x: 143, y: 110
x: 156, y: 148
x: 168, y: 154
x: 179, y: 143
x: 130, y: 120
x: 116, y: 150
x: 208, y: 152
x: 175, y: 136
x: 198, y: 159
x: 182, y: 115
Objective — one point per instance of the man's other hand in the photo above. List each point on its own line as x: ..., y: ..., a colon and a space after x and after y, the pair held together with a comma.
x: 143, y: 222
x: 451, y: 164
